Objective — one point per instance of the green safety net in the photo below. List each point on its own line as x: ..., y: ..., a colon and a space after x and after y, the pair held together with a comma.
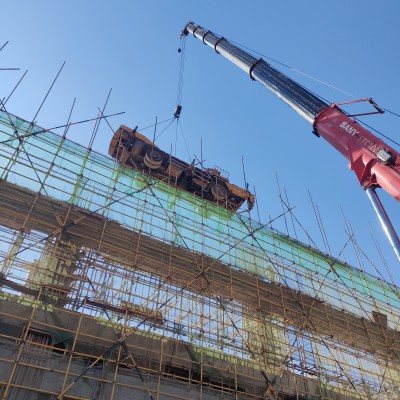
x: 69, y: 172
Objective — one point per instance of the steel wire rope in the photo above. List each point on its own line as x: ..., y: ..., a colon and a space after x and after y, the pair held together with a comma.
x: 182, y: 52
x: 378, y: 132
x: 304, y: 74
x: 179, y: 124
x: 158, y: 123
x: 392, y: 112
x: 317, y: 80
x: 326, y: 84
x: 178, y: 96
x: 171, y: 120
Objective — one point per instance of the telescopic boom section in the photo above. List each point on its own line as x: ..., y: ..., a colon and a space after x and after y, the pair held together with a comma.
x: 300, y: 99
x: 375, y: 163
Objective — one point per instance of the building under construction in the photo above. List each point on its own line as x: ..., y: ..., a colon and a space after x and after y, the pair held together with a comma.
x: 116, y: 284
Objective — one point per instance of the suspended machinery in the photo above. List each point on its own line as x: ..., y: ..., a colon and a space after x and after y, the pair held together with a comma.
x: 135, y: 151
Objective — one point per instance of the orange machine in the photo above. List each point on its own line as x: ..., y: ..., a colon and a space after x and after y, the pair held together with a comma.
x: 133, y: 150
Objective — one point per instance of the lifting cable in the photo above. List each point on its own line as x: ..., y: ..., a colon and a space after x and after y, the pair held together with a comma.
x: 328, y: 85
x: 304, y: 74
x: 184, y: 138
x: 378, y: 132
x: 158, y: 123
x: 251, y: 51
x: 392, y: 112
x: 181, y: 50
x: 178, y: 108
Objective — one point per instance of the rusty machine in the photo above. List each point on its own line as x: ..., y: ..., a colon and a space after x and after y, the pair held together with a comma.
x: 133, y: 150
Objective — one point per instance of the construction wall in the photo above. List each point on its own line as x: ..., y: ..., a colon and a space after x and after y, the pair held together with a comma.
x: 122, y: 283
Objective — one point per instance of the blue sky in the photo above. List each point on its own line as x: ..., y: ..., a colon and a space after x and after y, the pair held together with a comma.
x: 131, y: 47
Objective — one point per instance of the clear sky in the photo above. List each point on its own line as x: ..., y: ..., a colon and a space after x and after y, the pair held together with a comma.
x: 131, y: 47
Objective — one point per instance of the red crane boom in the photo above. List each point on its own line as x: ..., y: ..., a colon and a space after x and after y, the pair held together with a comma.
x: 375, y: 163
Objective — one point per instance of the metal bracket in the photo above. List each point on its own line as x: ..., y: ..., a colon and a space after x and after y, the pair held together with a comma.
x: 369, y: 100
x: 252, y: 66
x: 217, y: 43
x: 204, y: 36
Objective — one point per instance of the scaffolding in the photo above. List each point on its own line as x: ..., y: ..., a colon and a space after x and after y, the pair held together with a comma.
x: 116, y: 285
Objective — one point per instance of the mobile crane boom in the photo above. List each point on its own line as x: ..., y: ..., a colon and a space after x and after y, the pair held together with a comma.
x: 375, y: 163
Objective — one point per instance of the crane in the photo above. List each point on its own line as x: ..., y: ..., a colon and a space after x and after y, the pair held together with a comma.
x: 375, y: 163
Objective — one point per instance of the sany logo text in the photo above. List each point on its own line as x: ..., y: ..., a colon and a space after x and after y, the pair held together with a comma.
x: 369, y: 144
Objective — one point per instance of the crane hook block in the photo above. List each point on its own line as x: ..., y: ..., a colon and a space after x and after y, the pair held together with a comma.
x: 177, y: 112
